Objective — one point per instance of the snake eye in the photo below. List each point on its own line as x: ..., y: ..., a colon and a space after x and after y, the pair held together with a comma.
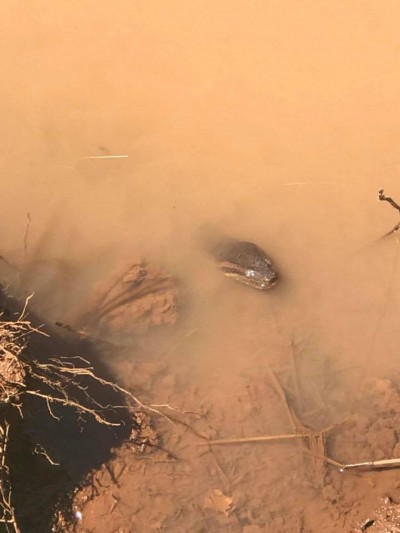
x: 249, y: 273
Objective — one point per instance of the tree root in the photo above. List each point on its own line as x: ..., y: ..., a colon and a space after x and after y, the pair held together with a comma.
x: 60, y: 381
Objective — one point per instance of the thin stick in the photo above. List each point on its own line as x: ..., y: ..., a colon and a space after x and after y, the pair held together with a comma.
x: 118, y: 156
x: 262, y: 438
x: 220, y: 470
x: 366, y: 465
x: 382, y: 197
x: 372, y: 465
x: 72, y: 403
x: 393, y: 230
x: 297, y: 424
x: 23, y: 313
x: 311, y: 183
x: 295, y: 373
x: 28, y: 224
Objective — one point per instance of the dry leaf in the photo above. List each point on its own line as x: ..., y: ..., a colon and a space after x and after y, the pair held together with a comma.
x: 218, y: 501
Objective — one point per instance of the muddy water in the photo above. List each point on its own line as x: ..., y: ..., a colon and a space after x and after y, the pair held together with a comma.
x: 276, y: 122
x: 272, y: 121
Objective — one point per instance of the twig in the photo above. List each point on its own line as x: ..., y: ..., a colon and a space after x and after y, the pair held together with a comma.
x: 297, y: 424
x: 365, y: 465
x: 374, y: 465
x: 28, y: 223
x: 117, y: 156
x: 311, y: 183
x: 382, y: 197
x: 220, y: 469
x: 177, y: 409
x: 72, y: 403
x: 262, y: 438
x: 22, y: 315
x: 295, y: 373
x: 41, y: 451
x: 88, y: 371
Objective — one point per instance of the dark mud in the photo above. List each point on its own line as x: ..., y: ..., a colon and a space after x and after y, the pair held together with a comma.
x: 52, y: 447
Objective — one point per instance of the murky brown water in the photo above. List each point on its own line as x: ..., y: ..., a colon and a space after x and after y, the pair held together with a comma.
x: 272, y: 121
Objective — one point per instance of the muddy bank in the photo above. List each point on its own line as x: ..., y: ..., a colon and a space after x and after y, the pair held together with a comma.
x: 293, y: 447
x: 250, y: 487
x: 61, y: 415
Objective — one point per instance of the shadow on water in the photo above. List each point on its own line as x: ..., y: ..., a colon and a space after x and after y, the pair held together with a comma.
x: 75, y: 441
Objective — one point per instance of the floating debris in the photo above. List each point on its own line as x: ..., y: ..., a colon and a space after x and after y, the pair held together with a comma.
x: 118, y: 156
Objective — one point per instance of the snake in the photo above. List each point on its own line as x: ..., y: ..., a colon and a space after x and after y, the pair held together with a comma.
x: 245, y: 262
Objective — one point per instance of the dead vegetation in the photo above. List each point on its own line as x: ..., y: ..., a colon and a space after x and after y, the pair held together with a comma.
x: 60, y: 381
x: 313, y: 443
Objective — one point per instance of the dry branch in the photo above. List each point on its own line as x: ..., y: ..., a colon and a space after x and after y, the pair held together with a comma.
x: 315, y: 439
x: 60, y: 381
x: 261, y: 438
x: 382, y: 197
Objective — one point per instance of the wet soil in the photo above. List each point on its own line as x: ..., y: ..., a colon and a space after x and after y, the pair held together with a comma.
x: 167, y: 476
x: 186, y: 485
x: 131, y: 299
